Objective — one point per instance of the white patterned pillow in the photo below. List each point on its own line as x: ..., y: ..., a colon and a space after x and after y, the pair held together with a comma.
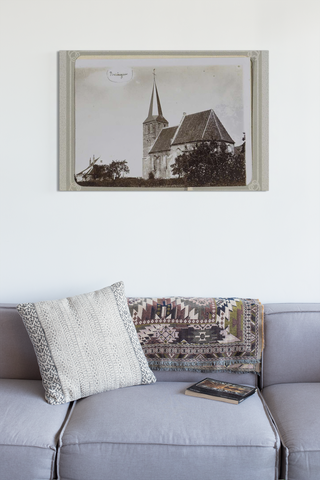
x: 85, y: 344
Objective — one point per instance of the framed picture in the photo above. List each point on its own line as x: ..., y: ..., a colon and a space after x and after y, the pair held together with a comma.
x: 167, y: 120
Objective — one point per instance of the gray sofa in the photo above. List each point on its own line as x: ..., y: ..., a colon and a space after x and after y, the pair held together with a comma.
x: 155, y: 431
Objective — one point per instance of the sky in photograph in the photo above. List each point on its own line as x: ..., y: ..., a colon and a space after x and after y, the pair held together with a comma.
x: 112, y: 98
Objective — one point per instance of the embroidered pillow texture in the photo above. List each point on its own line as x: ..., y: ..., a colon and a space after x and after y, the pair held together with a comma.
x: 200, y: 334
x: 85, y: 344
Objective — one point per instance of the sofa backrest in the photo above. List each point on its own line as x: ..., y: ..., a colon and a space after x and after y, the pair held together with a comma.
x: 17, y: 357
x: 291, y: 353
x: 292, y: 338
x: 18, y: 360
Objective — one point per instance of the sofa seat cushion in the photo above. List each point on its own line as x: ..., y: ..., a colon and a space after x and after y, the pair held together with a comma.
x: 29, y: 431
x: 295, y: 408
x: 156, y: 431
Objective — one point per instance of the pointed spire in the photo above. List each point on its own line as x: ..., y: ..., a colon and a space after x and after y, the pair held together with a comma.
x: 155, y: 110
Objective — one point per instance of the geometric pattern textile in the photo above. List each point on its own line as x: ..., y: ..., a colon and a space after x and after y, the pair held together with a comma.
x: 200, y: 334
x: 85, y: 344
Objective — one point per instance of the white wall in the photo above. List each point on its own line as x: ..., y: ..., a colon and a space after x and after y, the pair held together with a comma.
x: 262, y: 245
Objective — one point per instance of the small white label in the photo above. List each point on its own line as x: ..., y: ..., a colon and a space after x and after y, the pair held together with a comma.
x: 121, y: 75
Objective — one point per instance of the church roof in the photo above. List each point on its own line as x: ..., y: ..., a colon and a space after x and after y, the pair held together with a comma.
x: 155, y: 110
x: 164, y: 140
x: 196, y: 127
x: 201, y: 126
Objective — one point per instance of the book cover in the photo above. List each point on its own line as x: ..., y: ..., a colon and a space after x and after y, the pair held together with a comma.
x: 221, y: 391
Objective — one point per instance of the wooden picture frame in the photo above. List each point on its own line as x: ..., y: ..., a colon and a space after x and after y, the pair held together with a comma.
x: 123, y: 123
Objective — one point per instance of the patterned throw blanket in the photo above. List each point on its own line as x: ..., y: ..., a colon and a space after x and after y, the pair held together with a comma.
x: 200, y: 334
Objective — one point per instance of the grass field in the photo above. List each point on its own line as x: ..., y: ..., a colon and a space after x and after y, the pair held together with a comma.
x: 136, y: 182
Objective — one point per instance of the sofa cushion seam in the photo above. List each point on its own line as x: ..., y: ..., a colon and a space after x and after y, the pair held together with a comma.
x: 49, y: 447
x: 292, y: 452
x: 164, y: 444
x: 52, y: 465
x: 61, y: 433
x: 276, y: 433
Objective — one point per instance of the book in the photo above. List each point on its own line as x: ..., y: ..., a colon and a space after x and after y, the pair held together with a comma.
x: 220, y: 391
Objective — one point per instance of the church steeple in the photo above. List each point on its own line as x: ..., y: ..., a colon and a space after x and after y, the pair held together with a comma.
x: 155, y: 110
x: 155, y: 120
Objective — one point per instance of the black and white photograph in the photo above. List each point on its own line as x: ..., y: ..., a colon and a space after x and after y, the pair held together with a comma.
x: 162, y: 122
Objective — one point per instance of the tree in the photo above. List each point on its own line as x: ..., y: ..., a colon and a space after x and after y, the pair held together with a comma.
x: 210, y: 164
x: 115, y: 169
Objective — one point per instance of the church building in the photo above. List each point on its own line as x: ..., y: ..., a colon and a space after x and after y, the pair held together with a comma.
x: 162, y: 144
